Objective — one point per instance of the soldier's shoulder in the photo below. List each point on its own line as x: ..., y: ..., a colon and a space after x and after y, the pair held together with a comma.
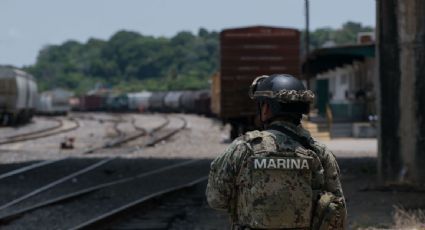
x: 252, y: 135
x: 256, y: 136
x: 260, y: 140
x: 323, y: 151
x: 318, y: 145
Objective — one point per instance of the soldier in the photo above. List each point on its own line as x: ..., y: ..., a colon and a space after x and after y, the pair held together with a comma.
x: 279, y: 178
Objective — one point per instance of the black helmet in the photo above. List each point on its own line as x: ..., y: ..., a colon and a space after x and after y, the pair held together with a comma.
x: 285, y: 93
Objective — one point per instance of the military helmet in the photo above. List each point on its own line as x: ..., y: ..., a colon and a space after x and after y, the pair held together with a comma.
x: 284, y: 93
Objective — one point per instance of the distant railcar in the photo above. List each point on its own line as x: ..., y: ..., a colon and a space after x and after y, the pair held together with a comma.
x: 44, y: 104
x: 92, y: 103
x: 245, y: 54
x: 18, y: 96
x: 54, y: 102
x: 139, y: 101
x: 156, y: 102
x: 203, y: 102
x: 117, y: 103
x: 74, y: 103
x: 172, y: 101
x: 187, y: 101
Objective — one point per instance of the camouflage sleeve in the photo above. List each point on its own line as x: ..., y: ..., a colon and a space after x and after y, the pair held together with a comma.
x: 332, y: 173
x: 337, y: 209
x: 221, y: 180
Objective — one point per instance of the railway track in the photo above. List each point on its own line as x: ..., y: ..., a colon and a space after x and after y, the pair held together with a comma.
x: 113, y: 198
x: 180, y: 209
x: 122, y: 139
x: 58, y: 129
x: 117, y: 142
x: 36, y: 199
x: 58, y: 125
x: 165, y: 136
x: 93, y: 118
x: 122, y: 212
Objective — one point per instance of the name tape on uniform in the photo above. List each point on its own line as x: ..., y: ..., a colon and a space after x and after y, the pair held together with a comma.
x: 289, y: 163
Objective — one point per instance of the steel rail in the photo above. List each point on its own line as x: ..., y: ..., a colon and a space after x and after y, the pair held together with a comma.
x: 92, y: 118
x: 136, y: 127
x: 44, y: 163
x: 120, y: 134
x: 75, y: 194
x: 90, y: 224
x: 76, y: 126
x: 57, y: 126
x: 143, y: 131
x: 90, y: 150
x: 120, y: 141
x: 167, y: 121
x: 30, y: 167
x: 56, y: 182
x: 118, y: 131
x: 166, y: 136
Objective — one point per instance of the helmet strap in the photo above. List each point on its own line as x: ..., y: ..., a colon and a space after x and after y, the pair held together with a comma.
x: 259, y: 108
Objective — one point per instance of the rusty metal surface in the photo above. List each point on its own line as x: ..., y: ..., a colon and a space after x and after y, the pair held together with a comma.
x: 247, y: 53
x: 92, y: 102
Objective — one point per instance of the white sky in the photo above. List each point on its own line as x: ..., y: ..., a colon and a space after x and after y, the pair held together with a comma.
x: 27, y: 26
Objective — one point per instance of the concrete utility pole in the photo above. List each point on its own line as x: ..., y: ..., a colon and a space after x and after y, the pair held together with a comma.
x: 401, y: 90
x: 307, y: 40
x: 307, y: 28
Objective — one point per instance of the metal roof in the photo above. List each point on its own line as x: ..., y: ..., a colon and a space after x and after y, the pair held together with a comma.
x: 10, y: 72
x: 324, y: 59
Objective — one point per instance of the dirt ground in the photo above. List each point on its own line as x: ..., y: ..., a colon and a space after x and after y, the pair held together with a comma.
x: 369, y: 205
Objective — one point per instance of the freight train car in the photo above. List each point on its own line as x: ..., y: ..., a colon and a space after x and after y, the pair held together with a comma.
x: 54, y: 102
x: 117, y: 103
x: 156, y: 102
x: 18, y: 96
x: 187, y: 101
x: 92, y: 103
x: 245, y: 54
x: 202, y: 102
x: 139, y: 101
x: 172, y: 101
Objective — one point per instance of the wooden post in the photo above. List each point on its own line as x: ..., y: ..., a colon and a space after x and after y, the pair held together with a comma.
x: 401, y: 90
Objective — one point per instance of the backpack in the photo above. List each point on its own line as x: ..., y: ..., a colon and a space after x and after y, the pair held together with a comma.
x: 276, y: 184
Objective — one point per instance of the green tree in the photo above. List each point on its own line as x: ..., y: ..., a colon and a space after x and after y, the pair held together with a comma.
x: 345, y: 35
x: 131, y: 61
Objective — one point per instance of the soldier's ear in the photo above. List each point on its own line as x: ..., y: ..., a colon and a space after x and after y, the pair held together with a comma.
x: 265, y: 111
x: 267, y: 108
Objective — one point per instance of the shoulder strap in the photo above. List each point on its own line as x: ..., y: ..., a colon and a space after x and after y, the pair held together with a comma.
x: 234, y: 196
x: 303, y: 141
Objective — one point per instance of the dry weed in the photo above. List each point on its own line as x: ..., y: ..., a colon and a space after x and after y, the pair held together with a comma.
x: 408, y: 219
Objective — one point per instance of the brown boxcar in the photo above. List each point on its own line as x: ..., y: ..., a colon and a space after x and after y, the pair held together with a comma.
x: 92, y: 103
x: 245, y: 54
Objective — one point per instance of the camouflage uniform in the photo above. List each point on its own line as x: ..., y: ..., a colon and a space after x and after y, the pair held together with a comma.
x: 295, y: 199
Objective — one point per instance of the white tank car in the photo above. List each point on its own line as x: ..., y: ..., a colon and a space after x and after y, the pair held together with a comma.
x: 172, y: 101
x: 18, y: 96
x: 54, y: 102
x: 139, y: 101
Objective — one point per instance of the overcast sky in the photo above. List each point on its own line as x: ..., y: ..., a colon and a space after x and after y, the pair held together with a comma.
x: 27, y: 26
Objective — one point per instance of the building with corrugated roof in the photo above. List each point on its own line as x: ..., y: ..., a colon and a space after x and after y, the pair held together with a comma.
x: 343, y: 80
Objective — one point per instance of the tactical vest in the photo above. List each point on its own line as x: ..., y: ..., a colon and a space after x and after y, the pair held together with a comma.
x: 276, y: 184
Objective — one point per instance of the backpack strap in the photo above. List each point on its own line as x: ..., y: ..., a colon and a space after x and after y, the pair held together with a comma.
x: 308, y: 145
x: 301, y: 140
x: 247, y: 138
